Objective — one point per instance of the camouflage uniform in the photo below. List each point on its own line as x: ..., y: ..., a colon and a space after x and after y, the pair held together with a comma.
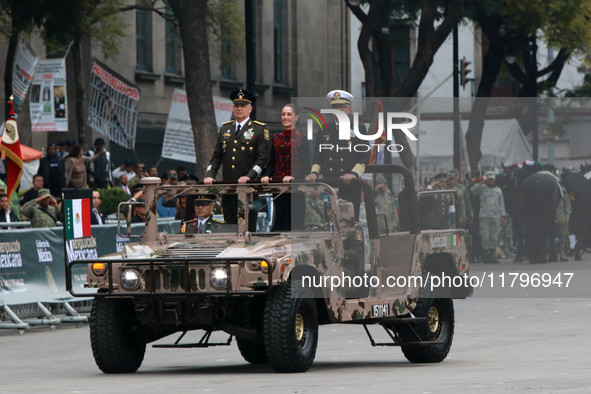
x: 40, y: 217
x: 492, y: 208
x: 385, y: 204
x: 563, y: 213
x: 506, y: 235
x: 354, y: 252
x: 314, y: 211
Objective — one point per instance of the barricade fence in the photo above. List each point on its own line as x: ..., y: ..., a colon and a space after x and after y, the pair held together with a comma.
x: 33, y: 275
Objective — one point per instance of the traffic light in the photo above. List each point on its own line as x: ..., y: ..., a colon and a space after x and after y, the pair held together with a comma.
x: 464, y: 71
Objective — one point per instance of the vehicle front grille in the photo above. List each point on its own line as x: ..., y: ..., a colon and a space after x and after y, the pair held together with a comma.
x: 193, y: 252
x: 175, y: 279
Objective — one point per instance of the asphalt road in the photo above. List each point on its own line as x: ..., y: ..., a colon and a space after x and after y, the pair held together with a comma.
x: 537, y: 345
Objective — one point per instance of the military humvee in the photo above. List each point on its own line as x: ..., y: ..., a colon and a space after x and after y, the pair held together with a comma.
x: 266, y: 289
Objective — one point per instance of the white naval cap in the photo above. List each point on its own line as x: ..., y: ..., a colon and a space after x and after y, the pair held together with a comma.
x: 340, y: 97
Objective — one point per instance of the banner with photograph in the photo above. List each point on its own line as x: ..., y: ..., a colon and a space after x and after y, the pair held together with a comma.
x: 48, y: 102
x: 178, y: 138
x: 114, y: 105
x: 25, y: 63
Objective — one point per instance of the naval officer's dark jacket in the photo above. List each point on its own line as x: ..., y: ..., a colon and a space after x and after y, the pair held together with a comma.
x: 337, y: 162
x: 435, y: 212
x: 244, y: 154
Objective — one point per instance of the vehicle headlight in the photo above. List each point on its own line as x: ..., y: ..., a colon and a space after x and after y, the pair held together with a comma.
x: 130, y: 279
x: 219, y: 278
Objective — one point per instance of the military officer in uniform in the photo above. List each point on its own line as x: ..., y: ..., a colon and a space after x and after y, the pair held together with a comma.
x: 340, y: 161
x: 438, y: 210
x: 44, y: 211
x: 204, y: 222
x: 242, y: 148
x: 463, y: 194
x: 385, y: 204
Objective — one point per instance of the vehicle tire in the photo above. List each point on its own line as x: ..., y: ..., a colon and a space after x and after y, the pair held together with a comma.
x: 113, y: 336
x: 252, y: 352
x: 438, y: 327
x: 290, y: 328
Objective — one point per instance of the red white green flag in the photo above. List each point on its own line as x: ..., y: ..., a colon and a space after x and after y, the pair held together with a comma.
x: 455, y: 240
x: 77, y: 217
x: 11, y: 146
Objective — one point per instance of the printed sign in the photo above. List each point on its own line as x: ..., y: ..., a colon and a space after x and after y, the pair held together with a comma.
x: 25, y: 63
x: 48, y: 101
x: 114, y: 105
x: 179, y: 143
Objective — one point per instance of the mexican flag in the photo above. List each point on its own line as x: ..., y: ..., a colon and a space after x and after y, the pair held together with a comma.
x: 77, y: 217
x: 455, y: 240
x: 12, y: 148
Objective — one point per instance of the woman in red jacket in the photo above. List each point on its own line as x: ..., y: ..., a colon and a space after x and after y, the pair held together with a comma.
x: 289, y: 160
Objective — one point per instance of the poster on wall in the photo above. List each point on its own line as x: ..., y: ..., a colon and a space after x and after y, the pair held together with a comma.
x: 114, y: 105
x: 48, y: 100
x: 25, y: 63
x: 179, y: 143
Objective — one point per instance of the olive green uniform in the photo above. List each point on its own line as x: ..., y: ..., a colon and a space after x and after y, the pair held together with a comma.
x: 314, y: 211
x: 210, y: 226
x: 435, y: 211
x: 242, y: 154
x: 40, y: 217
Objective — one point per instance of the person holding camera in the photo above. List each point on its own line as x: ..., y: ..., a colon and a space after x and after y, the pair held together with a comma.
x: 44, y: 211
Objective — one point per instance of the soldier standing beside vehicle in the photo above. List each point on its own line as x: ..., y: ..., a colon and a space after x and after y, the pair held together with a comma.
x: 340, y: 161
x: 242, y: 147
x: 492, y: 213
x: 563, y: 213
x: 385, y: 204
x: 437, y: 210
x: 466, y: 211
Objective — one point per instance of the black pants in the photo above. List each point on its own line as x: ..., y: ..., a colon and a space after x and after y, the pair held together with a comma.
x: 290, y: 213
x: 230, y: 209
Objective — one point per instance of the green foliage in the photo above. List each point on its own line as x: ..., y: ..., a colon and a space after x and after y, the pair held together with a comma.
x: 584, y: 90
x: 111, y: 199
x: 19, y: 16
x: 225, y: 21
x: 99, y: 19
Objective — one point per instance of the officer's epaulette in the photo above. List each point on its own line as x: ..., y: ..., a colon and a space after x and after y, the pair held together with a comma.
x: 218, y: 221
x: 259, y: 123
x: 228, y: 122
x: 190, y: 221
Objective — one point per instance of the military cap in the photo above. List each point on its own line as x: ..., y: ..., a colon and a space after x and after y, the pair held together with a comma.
x: 204, y: 199
x: 173, y: 175
x: 142, y: 202
x: 340, y: 97
x: 427, y: 181
x: 242, y: 96
x: 380, y: 179
x: 44, y: 193
x: 454, y: 172
x: 442, y: 176
x: 489, y: 175
x: 61, y: 143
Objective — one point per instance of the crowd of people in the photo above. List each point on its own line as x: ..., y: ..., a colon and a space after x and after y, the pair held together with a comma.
x: 247, y: 152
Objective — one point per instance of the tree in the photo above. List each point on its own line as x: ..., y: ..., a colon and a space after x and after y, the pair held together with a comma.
x: 513, y: 28
x: 435, y: 19
x: 16, y: 17
x: 72, y: 21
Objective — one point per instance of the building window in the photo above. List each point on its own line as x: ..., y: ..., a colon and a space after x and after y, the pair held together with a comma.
x: 170, y: 39
x: 278, y: 40
x: 226, y: 59
x: 143, y: 40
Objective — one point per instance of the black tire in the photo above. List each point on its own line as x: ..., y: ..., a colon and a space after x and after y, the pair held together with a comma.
x: 288, y: 350
x: 438, y: 327
x: 252, y: 352
x: 114, y: 336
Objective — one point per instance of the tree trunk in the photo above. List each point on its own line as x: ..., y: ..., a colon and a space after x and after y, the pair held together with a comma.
x: 491, y: 67
x: 80, y: 91
x: 191, y: 18
x: 12, y: 43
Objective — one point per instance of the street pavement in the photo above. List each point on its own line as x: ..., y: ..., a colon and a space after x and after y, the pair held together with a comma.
x: 536, y: 345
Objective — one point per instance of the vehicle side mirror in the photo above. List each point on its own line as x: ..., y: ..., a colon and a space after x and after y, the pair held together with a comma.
x: 383, y: 224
